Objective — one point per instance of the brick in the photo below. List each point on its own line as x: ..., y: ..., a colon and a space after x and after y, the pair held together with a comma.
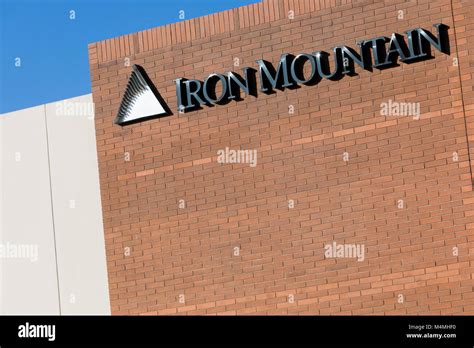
x: 190, y: 249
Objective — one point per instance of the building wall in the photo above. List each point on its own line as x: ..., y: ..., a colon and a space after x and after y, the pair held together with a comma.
x: 236, y: 247
x: 50, y: 200
x: 27, y: 215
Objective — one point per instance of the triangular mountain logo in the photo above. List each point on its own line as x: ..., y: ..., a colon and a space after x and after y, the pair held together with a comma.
x: 141, y: 100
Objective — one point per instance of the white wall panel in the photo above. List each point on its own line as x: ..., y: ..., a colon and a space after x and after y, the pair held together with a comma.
x: 51, y: 199
x: 1, y: 211
x: 77, y: 209
x: 28, y: 287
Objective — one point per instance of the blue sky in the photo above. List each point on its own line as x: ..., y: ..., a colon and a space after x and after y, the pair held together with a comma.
x: 53, y: 48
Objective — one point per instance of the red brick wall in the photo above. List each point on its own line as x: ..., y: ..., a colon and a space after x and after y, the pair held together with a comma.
x: 190, y: 251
